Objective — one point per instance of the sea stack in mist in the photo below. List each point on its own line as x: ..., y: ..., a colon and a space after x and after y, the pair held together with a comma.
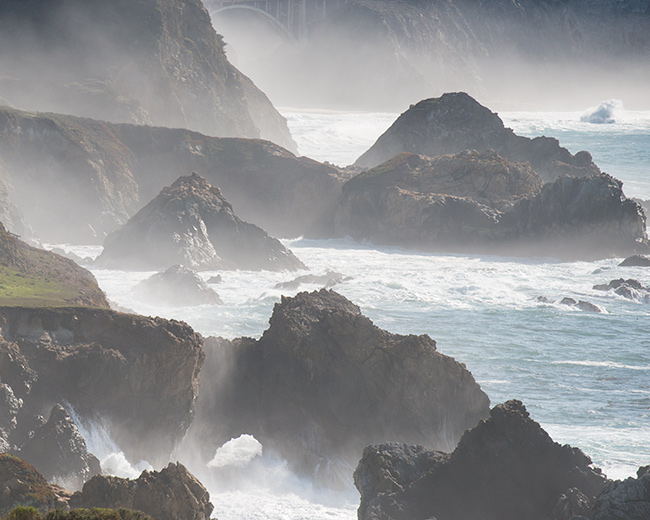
x: 190, y: 223
x: 481, y: 202
x: 506, y: 468
x: 324, y: 381
x: 456, y: 122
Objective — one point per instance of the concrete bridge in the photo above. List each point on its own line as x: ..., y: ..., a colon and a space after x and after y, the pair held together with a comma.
x: 291, y: 18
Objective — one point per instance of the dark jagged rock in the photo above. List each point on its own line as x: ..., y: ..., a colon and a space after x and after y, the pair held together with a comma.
x: 177, y: 286
x: 97, y: 360
x: 456, y: 122
x: 626, y: 500
x: 171, y: 494
x: 506, y: 468
x: 480, y: 202
x: 327, y: 280
x: 630, y: 289
x: 33, y: 277
x: 140, y: 61
x: 572, y: 505
x: 191, y: 223
x: 22, y: 485
x: 636, y: 261
x: 581, y: 304
x: 104, y: 173
x: 323, y: 382
x: 59, y: 451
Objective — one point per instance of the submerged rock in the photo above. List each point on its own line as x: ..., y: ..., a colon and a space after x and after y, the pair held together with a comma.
x: 581, y: 304
x: 327, y: 280
x: 170, y: 494
x: 323, y: 381
x: 191, y: 223
x: 456, y: 122
x: 177, y: 286
x: 506, y: 468
x: 630, y: 289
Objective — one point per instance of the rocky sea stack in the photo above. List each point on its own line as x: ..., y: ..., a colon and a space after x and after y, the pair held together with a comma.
x: 455, y: 122
x: 506, y: 468
x: 190, y: 223
x: 323, y: 382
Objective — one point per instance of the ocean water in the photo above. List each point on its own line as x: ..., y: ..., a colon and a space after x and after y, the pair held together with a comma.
x: 584, y: 376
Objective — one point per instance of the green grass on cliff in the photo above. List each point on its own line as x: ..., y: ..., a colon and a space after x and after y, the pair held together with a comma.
x: 21, y: 290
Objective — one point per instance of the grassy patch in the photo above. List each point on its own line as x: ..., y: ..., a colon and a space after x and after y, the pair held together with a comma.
x: 21, y: 290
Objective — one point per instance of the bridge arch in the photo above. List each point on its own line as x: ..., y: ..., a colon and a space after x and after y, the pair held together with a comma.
x: 271, y: 20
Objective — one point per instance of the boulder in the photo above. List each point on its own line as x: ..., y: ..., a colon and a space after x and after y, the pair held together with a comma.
x: 104, y: 173
x: 191, y: 223
x: 625, y: 500
x: 630, y: 289
x: 144, y: 61
x: 636, y: 261
x: 170, y: 494
x: 505, y: 468
x: 59, y: 451
x: 22, y: 485
x: 323, y: 381
x: 581, y: 304
x: 177, y: 286
x: 138, y: 377
x: 481, y: 202
x: 456, y: 122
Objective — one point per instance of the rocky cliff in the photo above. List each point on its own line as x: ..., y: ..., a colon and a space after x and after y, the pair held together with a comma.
x: 75, y: 180
x: 323, y: 381
x: 143, y: 61
x: 455, y: 122
x: 137, y: 377
x: 481, y: 202
x: 191, y: 223
x: 506, y: 468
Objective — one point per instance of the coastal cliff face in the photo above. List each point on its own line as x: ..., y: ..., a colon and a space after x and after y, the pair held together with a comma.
x: 506, y: 468
x: 103, y: 173
x: 191, y: 223
x: 137, y: 376
x: 141, y: 61
x: 323, y: 382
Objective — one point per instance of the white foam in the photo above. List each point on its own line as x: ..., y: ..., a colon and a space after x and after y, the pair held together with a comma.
x: 605, y: 113
x: 237, y: 452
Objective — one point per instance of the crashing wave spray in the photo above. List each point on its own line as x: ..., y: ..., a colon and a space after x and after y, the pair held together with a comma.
x: 605, y: 113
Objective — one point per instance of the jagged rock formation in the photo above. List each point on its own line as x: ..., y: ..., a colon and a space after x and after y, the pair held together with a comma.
x: 137, y: 375
x: 323, y: 381
x: 626, y: 500
x: 142, y: 61
x: 631, y: 289
x: 177, y: 286
x: 33, y: 277
x: 170, y: 494
x: 59, y: 451
x: 191, y: 223
x: 481, y: 202
x: 103, y: 173
x: 455, y: 122
x: 22, y: 485
x: 506, y: 468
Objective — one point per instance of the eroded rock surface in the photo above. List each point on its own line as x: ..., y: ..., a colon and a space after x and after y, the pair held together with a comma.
x: 506, y: 468
x: 177, y: 286
x: 323, y: 381
x: 191, y: 223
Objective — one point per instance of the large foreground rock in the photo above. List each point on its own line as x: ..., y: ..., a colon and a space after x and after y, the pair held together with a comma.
x: 170, y: 494
x: 102, y: 174
x: 323, y: 382
x: 456, y: 122
x: 134, y: 61
x: 481, y: 202
x: 190, y: 223
x: 506, y: 468
x: 135, y: 377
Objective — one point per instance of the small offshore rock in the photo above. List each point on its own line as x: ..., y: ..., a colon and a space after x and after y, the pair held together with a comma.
x: 636, y: 261
x: 177, y: 286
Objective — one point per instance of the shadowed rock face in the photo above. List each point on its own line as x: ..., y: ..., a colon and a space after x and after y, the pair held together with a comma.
x: 506, y: 468
x: 137, y: 375
x: 138, y: 61
x: 170, y: 494
x: 456, y: 122
x: 177, y: 286
x: 191, y: 223
x: 323, y: 381
x: 481, y: 202
x: 626, y: 500
x: 103, y: 173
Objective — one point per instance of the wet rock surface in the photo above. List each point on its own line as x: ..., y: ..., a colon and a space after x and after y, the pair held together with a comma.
x: 177, y: 286
x: 630, y: 289
x: 506, y: 468
x: 323, y: 381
